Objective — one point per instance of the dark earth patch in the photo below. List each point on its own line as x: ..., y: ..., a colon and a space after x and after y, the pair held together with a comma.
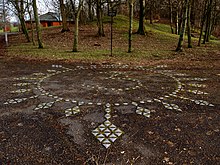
x: 47, y: 136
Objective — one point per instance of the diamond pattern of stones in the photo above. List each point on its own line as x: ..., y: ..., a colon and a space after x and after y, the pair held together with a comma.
x: 107, y: 133
x: 178, y: 77
x: 116, y: 75
x: 44, y: 105
x: 22, y: 84
x: 72, y: 111
x: 15, y: 101
x: 21, y: 91
x: 197, y: 85
x: 197, y: 92
x: 172, y: 107
x: 203, y: 103
x: 143, y: 111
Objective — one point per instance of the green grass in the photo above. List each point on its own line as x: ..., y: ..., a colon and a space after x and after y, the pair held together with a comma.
x: 14, y: 29
x: 157, y: 32
x: 158, y: 27
x: 29, y: 51
x: 121, y: 22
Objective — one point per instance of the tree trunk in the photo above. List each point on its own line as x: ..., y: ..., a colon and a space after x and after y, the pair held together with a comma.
x: 202, y: 22
x: 193, y: 14
x: 76, y: 33
x: 214, y: 17
x: 73, y: 8
x: 131, y: 14
x: 19, y: 6
x: 21, y: 18
x: 141, y: 28
x: 90, y: 12
x: 206, y: 28
x: 177, y: 21
x: 177, y: 24
x: 183, y: 29
x: 99, y: 19
x: 189, y: 25
x: 64, y: 17
x: 151, y: 15
x: 24, y: 28
x: 208, y: 22
x: 31, y: 22
x: 171, y: 16
x: 38, y: 29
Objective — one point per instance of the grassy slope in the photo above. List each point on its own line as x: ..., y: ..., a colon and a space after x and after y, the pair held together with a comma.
x: 13, y: 29
x: 159, y: 43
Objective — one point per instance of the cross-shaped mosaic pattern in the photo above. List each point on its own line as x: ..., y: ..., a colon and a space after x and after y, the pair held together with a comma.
x: 143, y: 111
x: 107, y: 132
x: 72, y: 111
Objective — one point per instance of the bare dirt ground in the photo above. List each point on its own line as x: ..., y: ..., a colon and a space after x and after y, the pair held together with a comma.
x: 164, y: 113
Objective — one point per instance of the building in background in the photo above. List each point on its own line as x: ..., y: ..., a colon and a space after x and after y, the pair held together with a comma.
x: 47, y: 20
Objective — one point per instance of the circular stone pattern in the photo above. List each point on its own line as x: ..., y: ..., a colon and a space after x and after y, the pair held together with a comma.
x: 110, y: 85
x: 113, y: 87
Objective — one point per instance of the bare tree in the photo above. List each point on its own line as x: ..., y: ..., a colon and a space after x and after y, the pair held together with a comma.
x: 178, y: 4
x: 208, y: 21
x: 90, y: 10
x: 141, y: 28
x: 151, y: 7
x: 19, y: 6
x: 183, y: 29
x: 29, y: 10
x: 131, y: 14
x: 76, y: 33
x: 171, y: 15
x: 38, y: 29
x: 64, y: 16
x: 3, y: 19
x: 189, y: 24
x: 203, y: 18
x: 216, y: 16
x: 99, y: 15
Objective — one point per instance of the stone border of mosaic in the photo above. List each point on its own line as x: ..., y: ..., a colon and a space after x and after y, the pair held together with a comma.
x: 107, y: 133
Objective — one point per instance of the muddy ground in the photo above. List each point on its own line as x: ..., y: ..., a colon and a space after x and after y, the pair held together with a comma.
x: 167, y: 113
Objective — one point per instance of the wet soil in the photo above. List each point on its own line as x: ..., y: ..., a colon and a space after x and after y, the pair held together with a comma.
x: 168, y: 136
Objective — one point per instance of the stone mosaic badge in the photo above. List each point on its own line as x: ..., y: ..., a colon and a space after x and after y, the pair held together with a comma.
x: 111, y: 87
